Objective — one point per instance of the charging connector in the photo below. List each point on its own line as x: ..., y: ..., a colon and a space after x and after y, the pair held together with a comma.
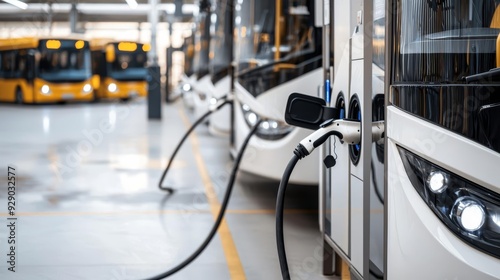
x: 346, y: 130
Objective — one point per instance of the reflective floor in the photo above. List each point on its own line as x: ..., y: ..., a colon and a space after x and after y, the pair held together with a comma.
x: 88, y: 205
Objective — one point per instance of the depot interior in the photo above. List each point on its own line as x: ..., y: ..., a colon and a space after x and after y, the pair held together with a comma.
x: 250, y: 139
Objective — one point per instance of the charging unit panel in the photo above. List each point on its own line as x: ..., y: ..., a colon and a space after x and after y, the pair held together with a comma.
x: 361, y: 176
x: 356, y: 216
x: 339, y: 174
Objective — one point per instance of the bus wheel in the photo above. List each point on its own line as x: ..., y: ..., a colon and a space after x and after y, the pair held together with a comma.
x: 126, y: 99
x: 19, y: 96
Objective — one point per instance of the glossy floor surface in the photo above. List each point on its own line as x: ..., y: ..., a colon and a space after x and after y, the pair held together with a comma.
x: 88, y: 206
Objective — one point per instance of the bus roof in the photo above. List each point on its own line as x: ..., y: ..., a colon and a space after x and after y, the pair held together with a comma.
x: 100, y: 43
x: 30, y: 42
x: 18, y: 43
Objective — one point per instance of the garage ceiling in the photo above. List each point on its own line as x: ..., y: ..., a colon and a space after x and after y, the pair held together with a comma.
x: 93, y: 11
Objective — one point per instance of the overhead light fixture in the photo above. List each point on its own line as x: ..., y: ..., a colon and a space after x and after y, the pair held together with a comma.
x: 132, y: 3
x: 17, y: 3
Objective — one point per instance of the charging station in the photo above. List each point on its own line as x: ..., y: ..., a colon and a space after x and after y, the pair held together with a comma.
x: 352, y: 212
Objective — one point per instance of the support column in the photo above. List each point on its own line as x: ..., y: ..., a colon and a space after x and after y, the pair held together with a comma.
x: 73, y: 18
x: 50, y: 17
x: 154, y: 77
x: 168, y: 72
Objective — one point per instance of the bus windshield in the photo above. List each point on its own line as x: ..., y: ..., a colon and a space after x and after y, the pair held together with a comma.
x: 129, y: 65
x: 63, y: 61
x: 276, y: 42
x: 188, y: 50
x: 220, y: 41
x: 202, y: 39
x: 445, y: 52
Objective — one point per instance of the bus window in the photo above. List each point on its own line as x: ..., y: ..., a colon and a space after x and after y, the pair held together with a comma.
x: 8, y: 59
x: 129, y: 65
x: 274, y: 50
x: 202, y: 41
x: 437, y: 59
x: 220, y: 41
x: 188, y: 50
x: 13, y: 64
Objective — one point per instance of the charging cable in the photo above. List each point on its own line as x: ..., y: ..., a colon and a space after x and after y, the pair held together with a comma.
x: 213, y: 108
x: 347, y: 131
x: 220, y: 216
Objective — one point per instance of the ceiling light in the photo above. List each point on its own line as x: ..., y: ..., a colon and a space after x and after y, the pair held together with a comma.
x: 132, y: 3
x: 17, y: 3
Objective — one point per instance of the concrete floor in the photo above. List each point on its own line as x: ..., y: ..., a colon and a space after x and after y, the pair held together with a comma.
x: 88, y: 206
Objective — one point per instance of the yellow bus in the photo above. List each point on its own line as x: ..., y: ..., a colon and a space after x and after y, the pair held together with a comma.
x: 39, y: 70
x: 119, y: 68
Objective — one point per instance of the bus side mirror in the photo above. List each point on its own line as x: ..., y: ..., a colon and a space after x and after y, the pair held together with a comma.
x: 308, y: 112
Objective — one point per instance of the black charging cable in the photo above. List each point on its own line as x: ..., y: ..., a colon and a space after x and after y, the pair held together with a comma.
x: 346, y: 130
x: 220, y: 216
x: 280, y: 206
x: 184, y: 138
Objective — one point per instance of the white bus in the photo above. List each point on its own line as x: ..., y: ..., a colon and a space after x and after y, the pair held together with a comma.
x: 443, y: 146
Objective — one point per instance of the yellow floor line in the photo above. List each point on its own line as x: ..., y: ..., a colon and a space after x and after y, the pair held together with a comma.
x: 236, y: 271
x: 346, y: 275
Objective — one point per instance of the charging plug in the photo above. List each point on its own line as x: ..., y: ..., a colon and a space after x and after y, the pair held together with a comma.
x: 347, y: 131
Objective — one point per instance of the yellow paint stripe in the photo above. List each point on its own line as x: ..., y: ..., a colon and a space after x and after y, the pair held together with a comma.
x: 345, y: 274
x: 157, y: 212
x: 236, y: 271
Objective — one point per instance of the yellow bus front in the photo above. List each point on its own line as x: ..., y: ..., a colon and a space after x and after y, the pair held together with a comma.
x: 122, y: 70
x: 63, y: 71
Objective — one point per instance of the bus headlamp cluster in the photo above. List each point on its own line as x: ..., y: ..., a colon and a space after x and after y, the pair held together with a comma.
x: 467, y: 209
x: 186, y: 87
x: 112, y: 87
x: 268, y: 129
x: 45, y: 89
x: 87, y: 88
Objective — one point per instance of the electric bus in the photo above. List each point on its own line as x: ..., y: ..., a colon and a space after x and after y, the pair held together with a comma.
x: 278, y: 52
x: 443, y: 146
x: 41, y: 70
x: 221, y: 46
x: 119, y: 68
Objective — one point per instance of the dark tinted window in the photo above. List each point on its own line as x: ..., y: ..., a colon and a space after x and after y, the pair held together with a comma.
x: 445, y: 55
x: 272, y: 50
x: 13, y: 63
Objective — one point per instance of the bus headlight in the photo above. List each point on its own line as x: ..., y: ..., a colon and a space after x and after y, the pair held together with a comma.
x: 470, y: 211
x: 112, y: 87
x: 186, y: 87
x: 268, y: 129
x: 87, y: 88
x: 45, y: 89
